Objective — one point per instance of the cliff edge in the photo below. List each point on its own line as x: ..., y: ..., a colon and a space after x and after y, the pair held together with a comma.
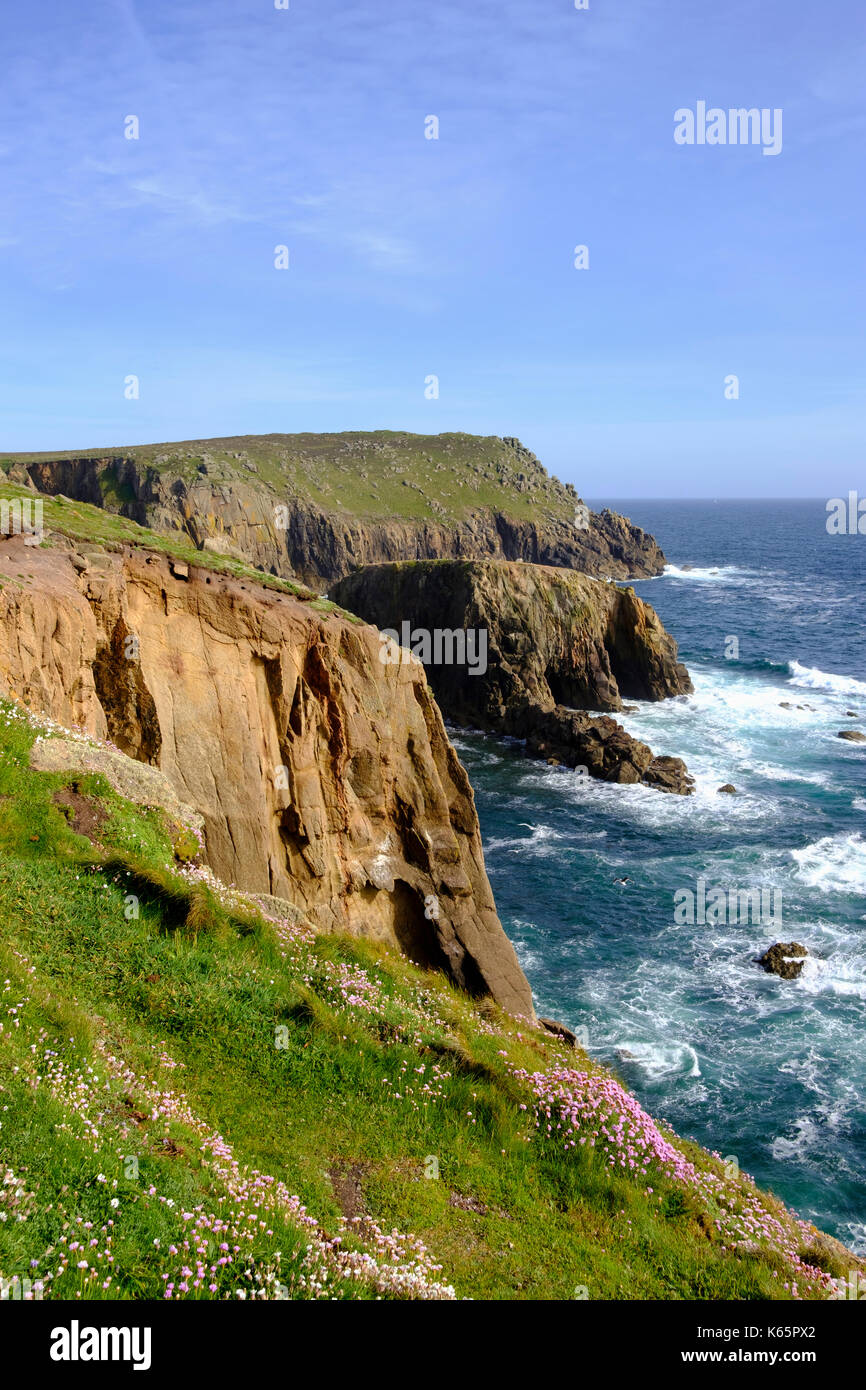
x: 316, y: 506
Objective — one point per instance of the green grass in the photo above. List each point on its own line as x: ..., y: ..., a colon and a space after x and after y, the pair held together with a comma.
x: 91, y: 526
x: 374, y: 474
x: 304, y: 1055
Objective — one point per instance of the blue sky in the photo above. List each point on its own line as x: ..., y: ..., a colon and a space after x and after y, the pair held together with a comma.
x: 453, y: 257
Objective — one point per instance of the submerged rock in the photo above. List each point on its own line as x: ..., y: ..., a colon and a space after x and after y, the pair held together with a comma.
x: 784, y: 959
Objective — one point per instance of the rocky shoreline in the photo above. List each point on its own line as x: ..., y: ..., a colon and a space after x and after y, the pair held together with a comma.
x: 557, y: 645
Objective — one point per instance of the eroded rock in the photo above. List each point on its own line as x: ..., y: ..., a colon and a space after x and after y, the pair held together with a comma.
x: 785, y: 959
x: 558, y: 644
x: 559, y: 1030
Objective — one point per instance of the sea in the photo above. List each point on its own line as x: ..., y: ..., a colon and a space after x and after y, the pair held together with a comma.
x: 599, y: 886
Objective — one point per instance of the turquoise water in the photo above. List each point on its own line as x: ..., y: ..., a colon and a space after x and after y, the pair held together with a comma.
x: 771, y: 1072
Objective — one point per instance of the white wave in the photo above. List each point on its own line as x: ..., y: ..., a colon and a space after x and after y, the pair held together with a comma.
x: 659, y: 1061
x: 811, y: 678
x: 530, y: 960
x: 799, y: 1144
x: 834, y: 864
x: 722, y: 705
x: 842, y: 976
x: 706, y: 574
x: 856, y: 1240
x: 542, y: 840
x: 774, y: 773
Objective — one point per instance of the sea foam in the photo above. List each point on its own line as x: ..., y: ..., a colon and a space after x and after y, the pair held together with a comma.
x: 834, y: 864
x: 811, y: 678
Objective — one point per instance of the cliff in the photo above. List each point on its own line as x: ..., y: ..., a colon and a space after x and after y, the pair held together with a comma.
x: 556, y: 644
x: 323, y: 777
x: 315, y: 507
x: 341, y: 1123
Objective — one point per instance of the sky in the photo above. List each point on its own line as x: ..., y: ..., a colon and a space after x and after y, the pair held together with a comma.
x: 454, y: 258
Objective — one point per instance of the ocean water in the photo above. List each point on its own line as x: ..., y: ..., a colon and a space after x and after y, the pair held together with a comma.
x: 768, y: 1071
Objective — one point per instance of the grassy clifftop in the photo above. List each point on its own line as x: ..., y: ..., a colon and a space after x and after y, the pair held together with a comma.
x: 379, y: 473
x: 92, y: 529
x: 200, y: 1099
x: 317, y: 506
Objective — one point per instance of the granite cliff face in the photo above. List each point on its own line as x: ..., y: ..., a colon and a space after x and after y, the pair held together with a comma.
x: 317, y: 507
x: 557, y: 644
x: 322, y: 776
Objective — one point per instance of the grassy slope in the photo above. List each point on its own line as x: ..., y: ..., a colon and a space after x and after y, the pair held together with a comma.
x: 381, y: 473
x: 103, y: 1013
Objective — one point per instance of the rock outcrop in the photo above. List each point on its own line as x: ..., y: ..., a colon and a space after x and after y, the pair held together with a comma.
x: 140, y: 783
x: 315, y: 507
x: 785, y: 959
x: 322, y: 776
x: 555, y: 644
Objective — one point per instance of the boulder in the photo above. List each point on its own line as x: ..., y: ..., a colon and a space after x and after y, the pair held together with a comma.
x: 785, y: 959
x: 596, y: 744
x: 139, y: 783
x: 729, y: 789
x: 852, y: 735
x: 559, y: 1030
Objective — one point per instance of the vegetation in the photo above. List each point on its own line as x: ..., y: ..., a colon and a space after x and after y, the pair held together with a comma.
x: 201, y: 1099
x: 93, y: 528
x: 375, y: 474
